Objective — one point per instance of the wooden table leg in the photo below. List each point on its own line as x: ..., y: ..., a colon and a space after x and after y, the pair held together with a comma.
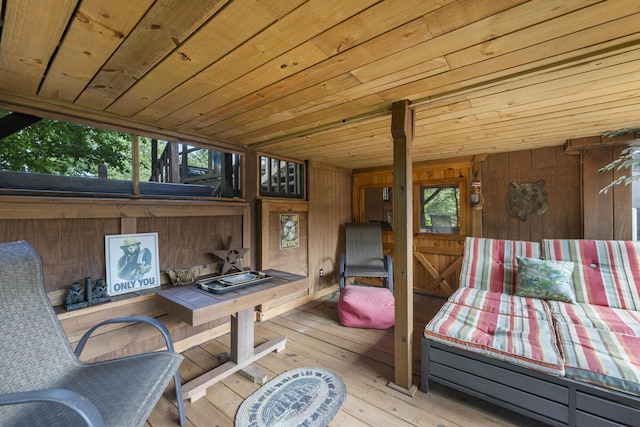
x: 242, y: 338
x: 243, y: 354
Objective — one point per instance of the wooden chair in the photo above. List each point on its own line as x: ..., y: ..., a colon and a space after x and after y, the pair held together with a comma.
x: 45, y: 384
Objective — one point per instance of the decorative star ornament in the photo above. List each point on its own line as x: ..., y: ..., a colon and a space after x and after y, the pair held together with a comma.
x: 232, y: 258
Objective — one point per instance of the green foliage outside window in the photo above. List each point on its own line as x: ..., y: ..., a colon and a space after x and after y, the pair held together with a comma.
x: 629, y: 159
x: 61, y: 148
x: 440, y: 212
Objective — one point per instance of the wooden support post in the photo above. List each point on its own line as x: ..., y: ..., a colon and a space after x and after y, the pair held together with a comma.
x: 402, y: 132
x: 135, y: 147
x: 174, y: 162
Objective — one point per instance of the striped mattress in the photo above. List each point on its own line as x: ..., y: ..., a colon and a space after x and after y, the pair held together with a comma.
x: 601, y: 345
x: 514, y: 329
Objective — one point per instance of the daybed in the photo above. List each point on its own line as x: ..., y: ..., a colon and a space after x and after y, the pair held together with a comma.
x: 550, y: 330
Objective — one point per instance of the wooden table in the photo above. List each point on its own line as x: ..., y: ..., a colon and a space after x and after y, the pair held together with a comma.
x: 195, y: 306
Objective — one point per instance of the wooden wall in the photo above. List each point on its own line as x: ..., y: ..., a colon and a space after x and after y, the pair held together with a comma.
x: 329, y: 192
x: 561, y: 173
x: 321, y: 227
x: 437, y: 258
x: 293, y: 260
x: 606, y: 215
x: 576, y: 209
x: 68, y: 233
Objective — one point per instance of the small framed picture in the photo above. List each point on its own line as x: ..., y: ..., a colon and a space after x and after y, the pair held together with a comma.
x: 132, y: 262
x: 289, y: 237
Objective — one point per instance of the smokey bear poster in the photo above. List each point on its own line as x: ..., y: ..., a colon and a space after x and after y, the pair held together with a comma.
x: 132, y: 262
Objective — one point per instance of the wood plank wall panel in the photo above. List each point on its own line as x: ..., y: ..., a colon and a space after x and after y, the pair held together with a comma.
x: 606, y: 215
x: 184, y: 243
x: 439, y: 251
x: 326, y: 232
x: 69, y: 233
x: 71, y: 249
x: 561, y: 173
x: 291, y: 260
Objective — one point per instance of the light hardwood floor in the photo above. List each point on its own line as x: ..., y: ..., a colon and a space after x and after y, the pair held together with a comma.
x: 364, y: 360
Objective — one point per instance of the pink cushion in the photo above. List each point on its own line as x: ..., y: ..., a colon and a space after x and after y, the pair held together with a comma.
x: 366, y: 307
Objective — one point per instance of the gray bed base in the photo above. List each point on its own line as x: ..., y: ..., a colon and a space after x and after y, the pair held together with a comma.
x: 557, y: 401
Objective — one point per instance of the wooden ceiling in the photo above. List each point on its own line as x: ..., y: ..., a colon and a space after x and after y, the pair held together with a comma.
x: 315, y: 79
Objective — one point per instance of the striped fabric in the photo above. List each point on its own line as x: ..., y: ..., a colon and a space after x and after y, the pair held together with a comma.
x: 601, y: 357
x: 498, y: 302
x: 508, y: 328
x: 606, y: 272
x: 597, y: 316
x: 490, y: 264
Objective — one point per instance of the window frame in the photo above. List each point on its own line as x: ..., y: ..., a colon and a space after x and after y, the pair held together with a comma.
x: 98, y: 184
x: 293, y: 189
x: 418, y: 208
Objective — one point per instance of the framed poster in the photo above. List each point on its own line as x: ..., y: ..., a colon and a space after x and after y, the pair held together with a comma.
x: 289, y: 237
x: 132, y: 262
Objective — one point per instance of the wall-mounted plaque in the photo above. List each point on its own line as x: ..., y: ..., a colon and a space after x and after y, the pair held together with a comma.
x: 289, y: 236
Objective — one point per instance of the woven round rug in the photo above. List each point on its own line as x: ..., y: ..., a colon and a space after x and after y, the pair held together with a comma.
x: 306, y: 397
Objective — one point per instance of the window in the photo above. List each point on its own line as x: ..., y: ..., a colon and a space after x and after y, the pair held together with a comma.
x: 440, y: 209
x: 281, y: 178
x: 220, y: 171
x: 57, y: 157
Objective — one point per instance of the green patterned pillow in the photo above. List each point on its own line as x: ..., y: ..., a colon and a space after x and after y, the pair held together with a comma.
x: 544, y: 279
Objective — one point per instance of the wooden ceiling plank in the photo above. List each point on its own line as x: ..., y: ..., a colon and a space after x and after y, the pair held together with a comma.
x: 461, y: 13
x: 454, y: 146
x: 387, y: 48
x: 591, y: 95
x: 273, y: 71
x: 301, y: 124
x: 309, y: 146
x: 509, y: 103
x: 30, y: 34
x: 369, y: 128
x: 236, y: 129
x: 206, y: 79
x: 456, y: 125
x: 318, y: 97
x: 333, y: 41
x: 91, y: 39
x: 520, y: 123
x: 538, y: 22
x: 211, y: 42
x: 166, y: 25
x: 528, y: 61
x: 548, y: 83
x: 285, y: 105
x: 391, y: 44
x: 531, y: 127
x: 292, y: 30
x: 317, y: 75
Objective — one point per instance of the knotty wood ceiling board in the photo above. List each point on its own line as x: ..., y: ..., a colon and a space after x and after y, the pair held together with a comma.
x: 315, y: 79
